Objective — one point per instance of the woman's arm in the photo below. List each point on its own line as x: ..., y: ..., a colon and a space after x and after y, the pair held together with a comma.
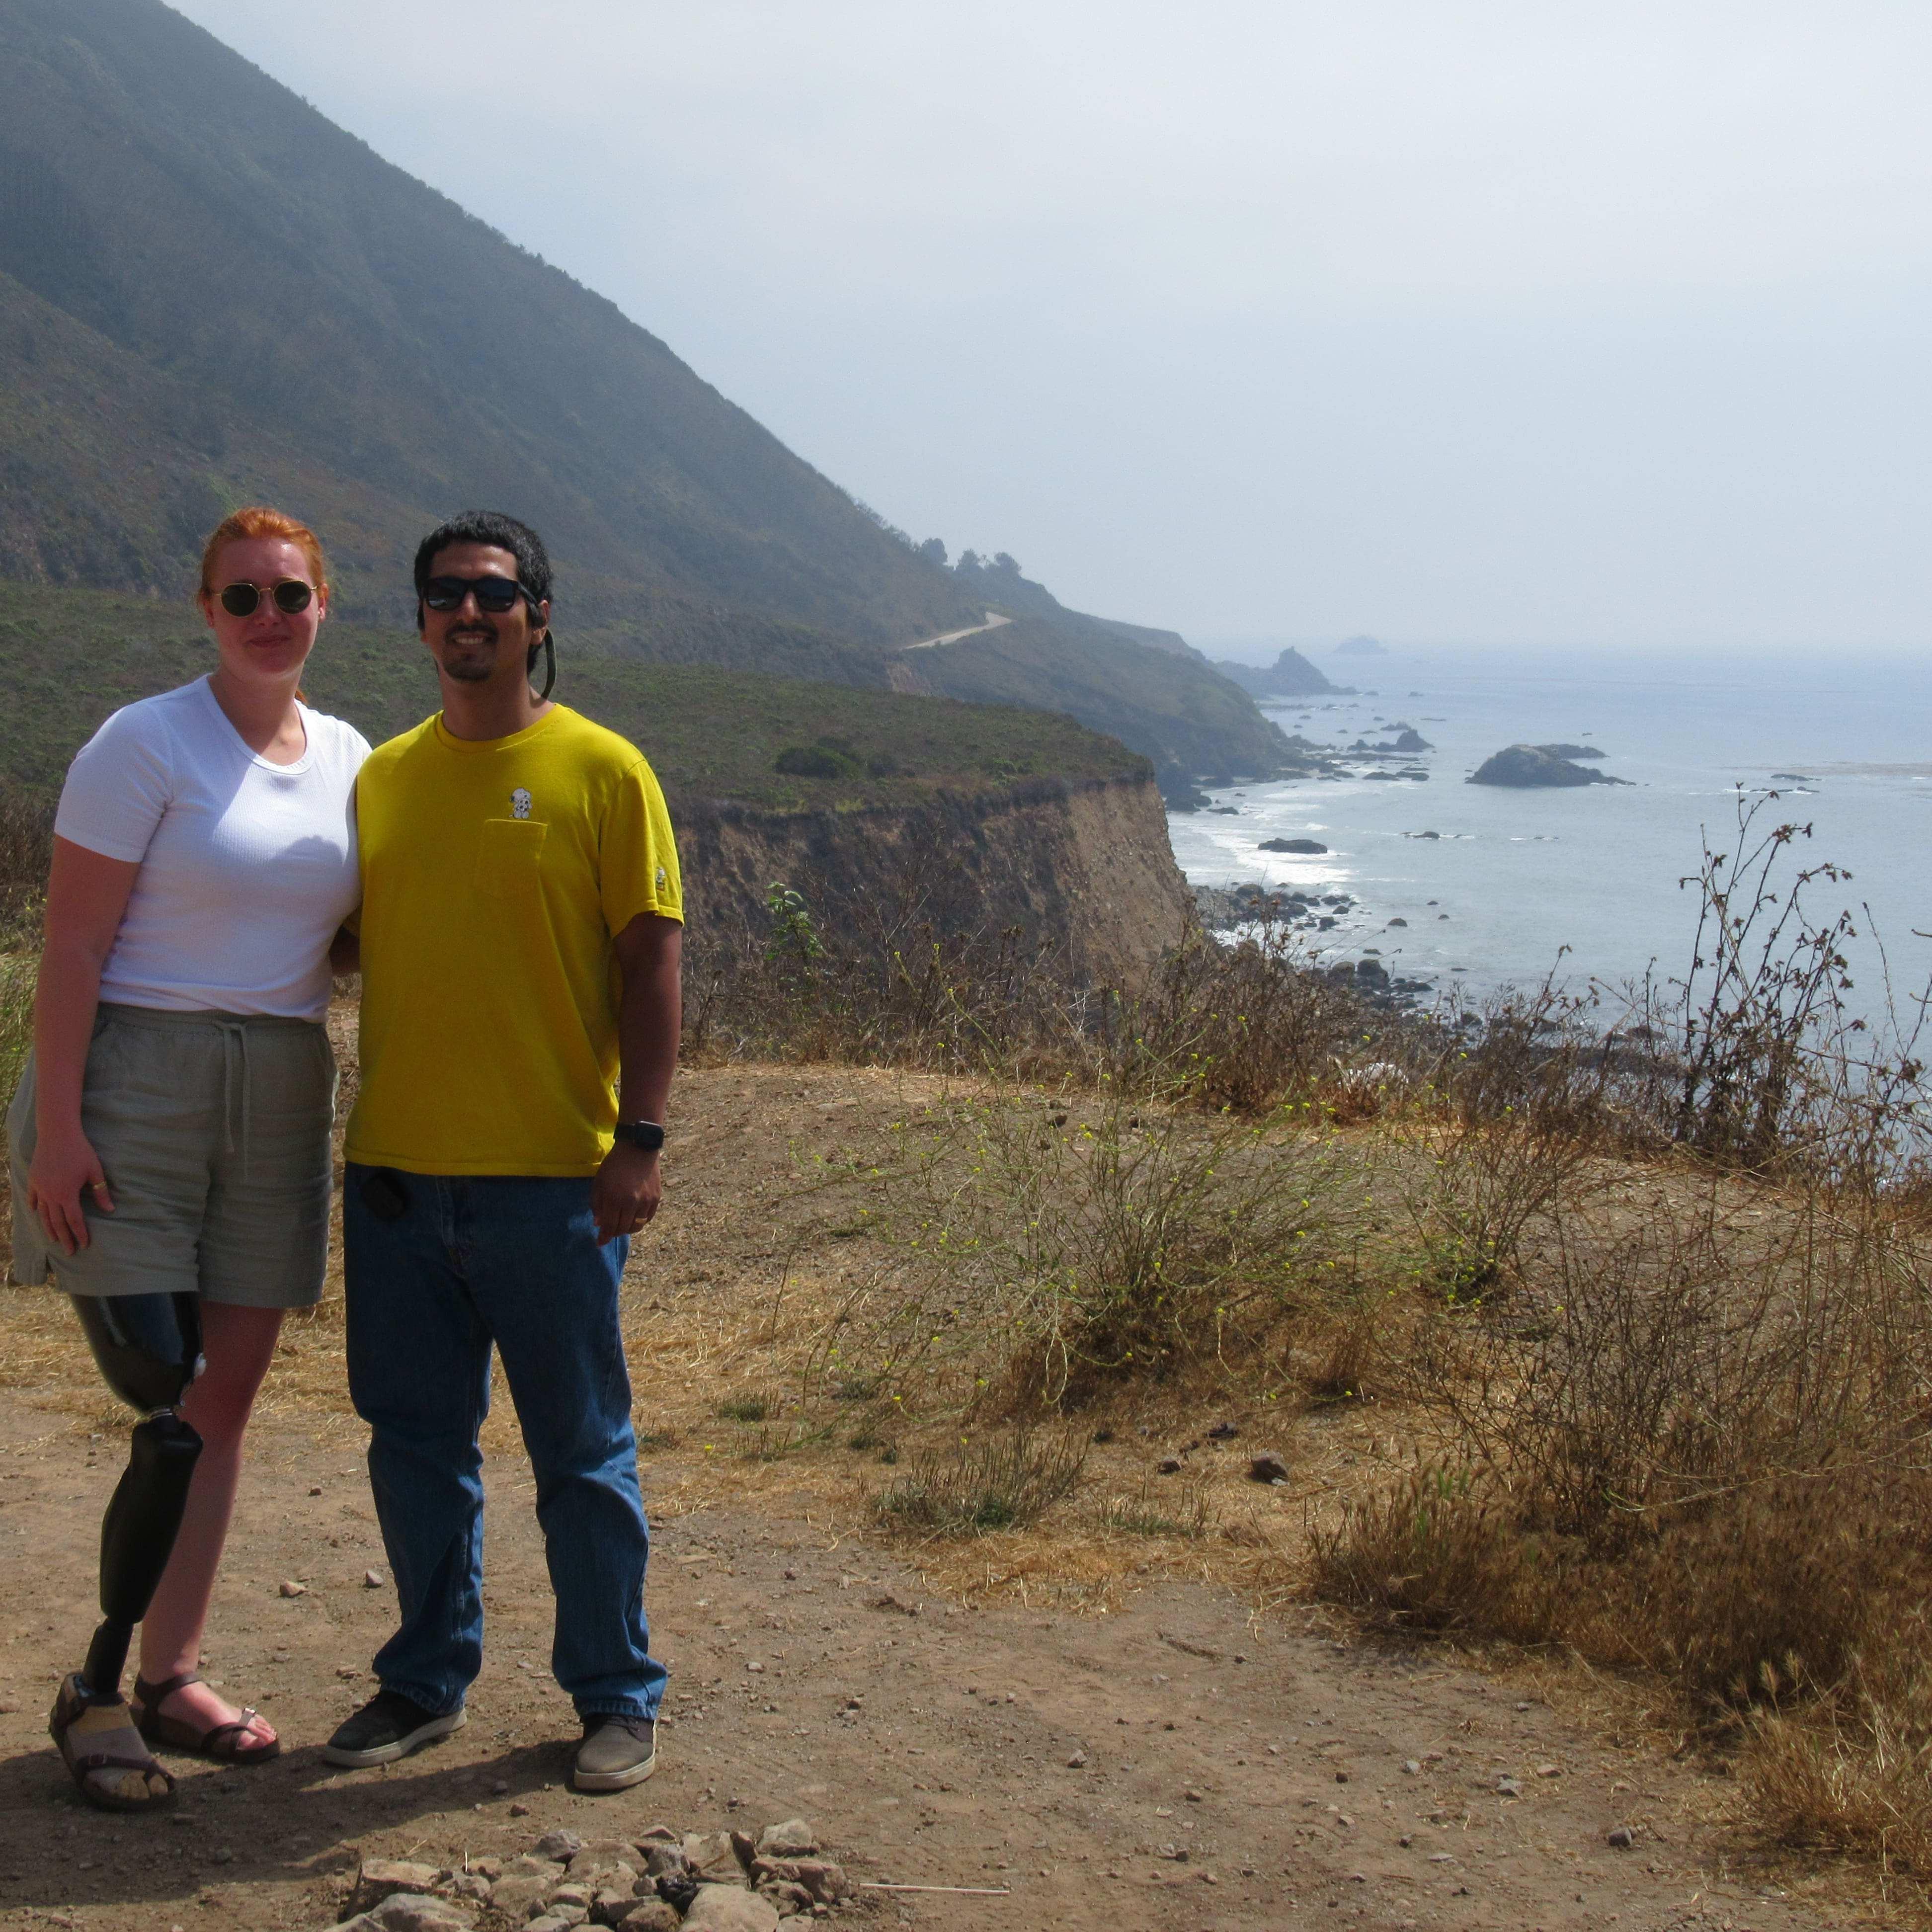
x: 87, y: 897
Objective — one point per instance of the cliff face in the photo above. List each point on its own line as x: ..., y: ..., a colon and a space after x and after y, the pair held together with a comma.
x: 1084, y: 869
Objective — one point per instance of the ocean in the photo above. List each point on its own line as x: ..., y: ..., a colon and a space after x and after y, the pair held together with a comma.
x: 1513, y: 878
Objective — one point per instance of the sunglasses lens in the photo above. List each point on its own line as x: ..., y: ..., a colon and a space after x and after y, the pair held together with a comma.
x: 293, y: 595
x: 239, y: 600
x: 495, y: 594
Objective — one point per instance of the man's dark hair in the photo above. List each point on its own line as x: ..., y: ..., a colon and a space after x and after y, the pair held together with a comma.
x: 500, y: 532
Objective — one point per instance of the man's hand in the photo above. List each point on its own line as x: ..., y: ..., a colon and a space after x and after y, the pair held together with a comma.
x: 626, y: 1192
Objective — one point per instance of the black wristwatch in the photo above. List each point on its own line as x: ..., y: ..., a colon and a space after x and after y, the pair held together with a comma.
x: 645, y: 1134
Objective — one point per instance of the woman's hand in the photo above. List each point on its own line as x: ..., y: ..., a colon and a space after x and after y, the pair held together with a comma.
x: 64, y: 1167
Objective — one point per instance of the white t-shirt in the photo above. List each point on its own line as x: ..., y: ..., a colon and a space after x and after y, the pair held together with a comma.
x: 247, y: 868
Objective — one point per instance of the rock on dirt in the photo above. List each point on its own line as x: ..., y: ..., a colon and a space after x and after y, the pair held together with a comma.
x: 377, y: 1878
x: 729, y: 1908
x: 823, y: 1883
x: 713, y: 1858
x: 516, y: 1893
x: 650, y: 1915
x: 793, y: 1839
x: 1268, y: 1467
x: 410, y: 1911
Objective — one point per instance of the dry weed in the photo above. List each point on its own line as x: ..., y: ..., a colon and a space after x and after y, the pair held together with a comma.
x: 998, y: 1484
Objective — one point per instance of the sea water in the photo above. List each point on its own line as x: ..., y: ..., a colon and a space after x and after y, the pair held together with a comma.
x: 1513, y: 878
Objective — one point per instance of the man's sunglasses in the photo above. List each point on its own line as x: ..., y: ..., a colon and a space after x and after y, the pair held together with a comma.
x: 495, y: 594
x: 292, y: 595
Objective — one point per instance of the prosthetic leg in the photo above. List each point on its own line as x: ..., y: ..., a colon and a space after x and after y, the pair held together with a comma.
x: 149, y: 1349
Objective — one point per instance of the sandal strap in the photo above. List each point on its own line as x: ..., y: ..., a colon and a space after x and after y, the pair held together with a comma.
x: 107, y: 1761
x: 148, y: 1696
x: 242, y: 1726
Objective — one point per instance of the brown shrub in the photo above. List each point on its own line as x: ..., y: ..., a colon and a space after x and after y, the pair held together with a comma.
x: 1438, y: 1552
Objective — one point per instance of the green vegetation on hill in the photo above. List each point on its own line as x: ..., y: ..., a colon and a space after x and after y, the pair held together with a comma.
x: 68, y: 658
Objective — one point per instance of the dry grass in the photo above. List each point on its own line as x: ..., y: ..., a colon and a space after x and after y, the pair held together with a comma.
x: 1005, y: 1483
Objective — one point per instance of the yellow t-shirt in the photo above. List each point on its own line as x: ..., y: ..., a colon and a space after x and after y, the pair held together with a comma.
x: 494, y: 874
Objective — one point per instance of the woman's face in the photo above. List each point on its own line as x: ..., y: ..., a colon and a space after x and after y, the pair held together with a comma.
x: 269, y: 643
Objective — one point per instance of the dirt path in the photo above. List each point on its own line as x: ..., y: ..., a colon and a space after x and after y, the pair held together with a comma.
x: 1229, y: 1773
x: 1235, y: 1770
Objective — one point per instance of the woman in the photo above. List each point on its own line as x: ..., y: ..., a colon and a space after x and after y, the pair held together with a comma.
x: 170, y: 1138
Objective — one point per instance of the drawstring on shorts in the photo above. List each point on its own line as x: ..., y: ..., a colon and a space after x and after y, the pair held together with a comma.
x: 234, y: 1049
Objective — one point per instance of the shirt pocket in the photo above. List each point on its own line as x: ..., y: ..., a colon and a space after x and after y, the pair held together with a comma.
x: 509, y: 859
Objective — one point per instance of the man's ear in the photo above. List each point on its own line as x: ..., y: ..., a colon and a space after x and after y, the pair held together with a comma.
x: 422, y: 621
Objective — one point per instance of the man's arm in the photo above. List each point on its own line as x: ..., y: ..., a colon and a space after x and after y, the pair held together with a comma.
x: 650, y: 952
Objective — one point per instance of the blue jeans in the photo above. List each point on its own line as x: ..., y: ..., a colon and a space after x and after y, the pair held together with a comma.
x: 451, y: 1266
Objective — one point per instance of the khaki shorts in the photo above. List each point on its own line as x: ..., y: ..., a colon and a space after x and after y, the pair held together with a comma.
x: 213, y: 1129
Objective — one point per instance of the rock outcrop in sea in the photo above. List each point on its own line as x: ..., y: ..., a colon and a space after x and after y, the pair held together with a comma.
x: 1526, y: 766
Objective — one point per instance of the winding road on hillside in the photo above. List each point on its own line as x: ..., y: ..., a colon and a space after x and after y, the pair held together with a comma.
x: 994, y: 621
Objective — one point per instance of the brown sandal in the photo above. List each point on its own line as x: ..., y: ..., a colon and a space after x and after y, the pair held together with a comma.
x: 110, y: 1780
x: 222, y: 1742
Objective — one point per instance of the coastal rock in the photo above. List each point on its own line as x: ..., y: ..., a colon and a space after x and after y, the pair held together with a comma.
x: 1573, y: 750
x: 1309, y: 847
x: 1526, y: 766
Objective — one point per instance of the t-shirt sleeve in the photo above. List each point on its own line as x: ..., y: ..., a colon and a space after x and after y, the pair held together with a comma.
x: 638, y: 859
x: 120, y: 782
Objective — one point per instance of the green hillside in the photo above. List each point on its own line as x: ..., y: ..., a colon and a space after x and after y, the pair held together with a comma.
x: 68, y: 658
x: 289, y: 290
x: 210, y: 295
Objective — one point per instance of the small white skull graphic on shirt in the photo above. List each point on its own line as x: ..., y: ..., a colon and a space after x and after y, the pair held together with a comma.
x: 520, y: 803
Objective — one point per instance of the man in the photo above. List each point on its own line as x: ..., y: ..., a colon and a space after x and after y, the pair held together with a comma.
x: 519, y: 935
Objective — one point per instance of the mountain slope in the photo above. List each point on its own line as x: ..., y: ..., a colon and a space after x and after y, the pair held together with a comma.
x: 211, y: 295
x: 163, y: 194
x: 1149, y: 688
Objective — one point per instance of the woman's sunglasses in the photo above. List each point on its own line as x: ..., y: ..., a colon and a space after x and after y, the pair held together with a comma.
x: 292, y: 597
x: 495, y: 594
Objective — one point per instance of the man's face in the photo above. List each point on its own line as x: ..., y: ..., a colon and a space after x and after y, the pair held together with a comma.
x: 477, y: 646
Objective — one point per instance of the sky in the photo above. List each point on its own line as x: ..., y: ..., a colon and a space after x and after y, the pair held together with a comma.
x: 1510, y: 323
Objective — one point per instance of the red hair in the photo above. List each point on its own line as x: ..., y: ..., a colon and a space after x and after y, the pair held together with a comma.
x: 258, y: 521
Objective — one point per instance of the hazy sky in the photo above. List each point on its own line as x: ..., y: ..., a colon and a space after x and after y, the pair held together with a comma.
x: 1515, y: 323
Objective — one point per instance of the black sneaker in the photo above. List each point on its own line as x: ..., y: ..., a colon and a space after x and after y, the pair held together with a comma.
x: 616, y: 1752
x: 388, y: 1727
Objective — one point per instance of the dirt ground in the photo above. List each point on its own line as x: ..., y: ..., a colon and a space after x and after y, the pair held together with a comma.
x: 1124, y: 1731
